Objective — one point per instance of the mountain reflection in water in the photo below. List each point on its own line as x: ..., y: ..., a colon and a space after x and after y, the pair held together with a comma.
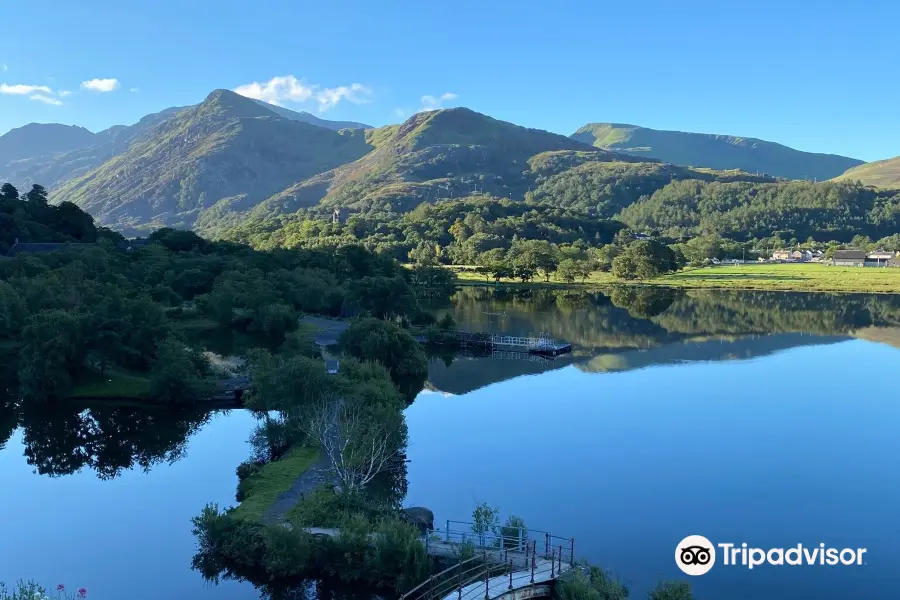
x: 624, y: 328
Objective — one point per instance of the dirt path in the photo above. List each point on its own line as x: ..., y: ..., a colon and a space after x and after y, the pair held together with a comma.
x: 318, y: 474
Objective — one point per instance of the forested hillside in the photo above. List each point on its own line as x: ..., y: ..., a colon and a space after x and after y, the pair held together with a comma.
x: 741, y: 210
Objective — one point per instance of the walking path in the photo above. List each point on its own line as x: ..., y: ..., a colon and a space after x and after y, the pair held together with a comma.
x: 318, y: 474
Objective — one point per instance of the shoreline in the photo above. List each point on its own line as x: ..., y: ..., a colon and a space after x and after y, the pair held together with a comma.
x: 805, y: 278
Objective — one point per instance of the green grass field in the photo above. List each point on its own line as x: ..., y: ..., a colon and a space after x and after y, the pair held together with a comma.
x: 783, y: 277
x: 115, y: 384
x: 264, y: 488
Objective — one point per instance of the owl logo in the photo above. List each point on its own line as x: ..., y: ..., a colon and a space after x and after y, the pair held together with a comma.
x: 695, y: 555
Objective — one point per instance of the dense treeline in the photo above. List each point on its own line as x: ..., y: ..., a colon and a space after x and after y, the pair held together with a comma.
x: 605, y: 188
x: 28, y: 218
x: 463, y: 228
x: 744, y: 211
x: 93, y: 311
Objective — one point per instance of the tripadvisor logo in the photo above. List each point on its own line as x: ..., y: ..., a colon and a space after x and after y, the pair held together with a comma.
x: 696, y: 555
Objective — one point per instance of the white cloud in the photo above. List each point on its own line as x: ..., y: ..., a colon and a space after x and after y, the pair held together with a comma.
x: 357, y: 93
x: 134, y: 90
x: 24, y: 90
x: 398, y: 113
x: 100, y: 85
x: 288, y: 88
x: 64, y: 93
x: 46, y: 99
x: 434, y: 103
x: 3, y: 67
x: 277, y: 90
x: 38, y: 93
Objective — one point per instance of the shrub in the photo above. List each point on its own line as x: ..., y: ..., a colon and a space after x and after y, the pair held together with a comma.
x: 288, y: 553
x: 672, y: 590
x: 246, y: 469
x: 271, y: 440
x: 484, y: 521
x: 399, y: 558
x: 589, y: 583
x: 353, y: 546
x: 274, y: 321
x: 389, y: 555
x: 177, y: 375
x: 324, y: 507
x: 510, y: 532
x: 464, y: 550
x: 395, y: 348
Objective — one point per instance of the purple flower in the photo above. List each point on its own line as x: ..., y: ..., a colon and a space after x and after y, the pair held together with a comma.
x: 82, y: 593
x: 60, y: 587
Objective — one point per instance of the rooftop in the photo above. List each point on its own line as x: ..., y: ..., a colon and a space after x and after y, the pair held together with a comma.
x: 849, y: 255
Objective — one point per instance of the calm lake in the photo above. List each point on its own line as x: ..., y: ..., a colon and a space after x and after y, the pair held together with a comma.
x: 764, y: 418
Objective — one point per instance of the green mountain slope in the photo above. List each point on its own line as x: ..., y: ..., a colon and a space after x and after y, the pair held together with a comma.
x: 54, y: 154
x: 714, y: 151
x: 881, y: 173
x: 228, y: 151
x: 436, y: 154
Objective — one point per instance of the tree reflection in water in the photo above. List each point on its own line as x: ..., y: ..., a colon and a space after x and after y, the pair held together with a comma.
x: 61, y: 440
x: 640, y: 317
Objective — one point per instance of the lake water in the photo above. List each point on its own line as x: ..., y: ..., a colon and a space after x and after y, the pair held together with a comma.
x: 127, y: 536
x: 741, y: 417
x: 770, y: 419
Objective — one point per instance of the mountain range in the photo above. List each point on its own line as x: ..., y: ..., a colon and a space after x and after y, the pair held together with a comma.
x: 715, y: 151
x: 230, y: 158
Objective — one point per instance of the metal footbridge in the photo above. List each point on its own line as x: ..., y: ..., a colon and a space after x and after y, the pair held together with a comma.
x: 509, y: 563
x: 544, y: 344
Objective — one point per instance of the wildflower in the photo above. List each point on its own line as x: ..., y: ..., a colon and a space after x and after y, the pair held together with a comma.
x: 60, y: 587
x: 38, y: 596
x: 82, y: 593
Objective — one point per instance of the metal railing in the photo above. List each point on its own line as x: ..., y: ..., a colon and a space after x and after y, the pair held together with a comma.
x: 506, y: 537
x: 519, y: 560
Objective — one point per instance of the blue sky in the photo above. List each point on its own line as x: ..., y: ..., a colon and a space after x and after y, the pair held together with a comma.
x: 816, y: 76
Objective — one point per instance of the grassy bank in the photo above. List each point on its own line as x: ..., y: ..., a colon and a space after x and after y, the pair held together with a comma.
x: 778, y: 277
x: 114, y: 384
x: 262, y: 489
